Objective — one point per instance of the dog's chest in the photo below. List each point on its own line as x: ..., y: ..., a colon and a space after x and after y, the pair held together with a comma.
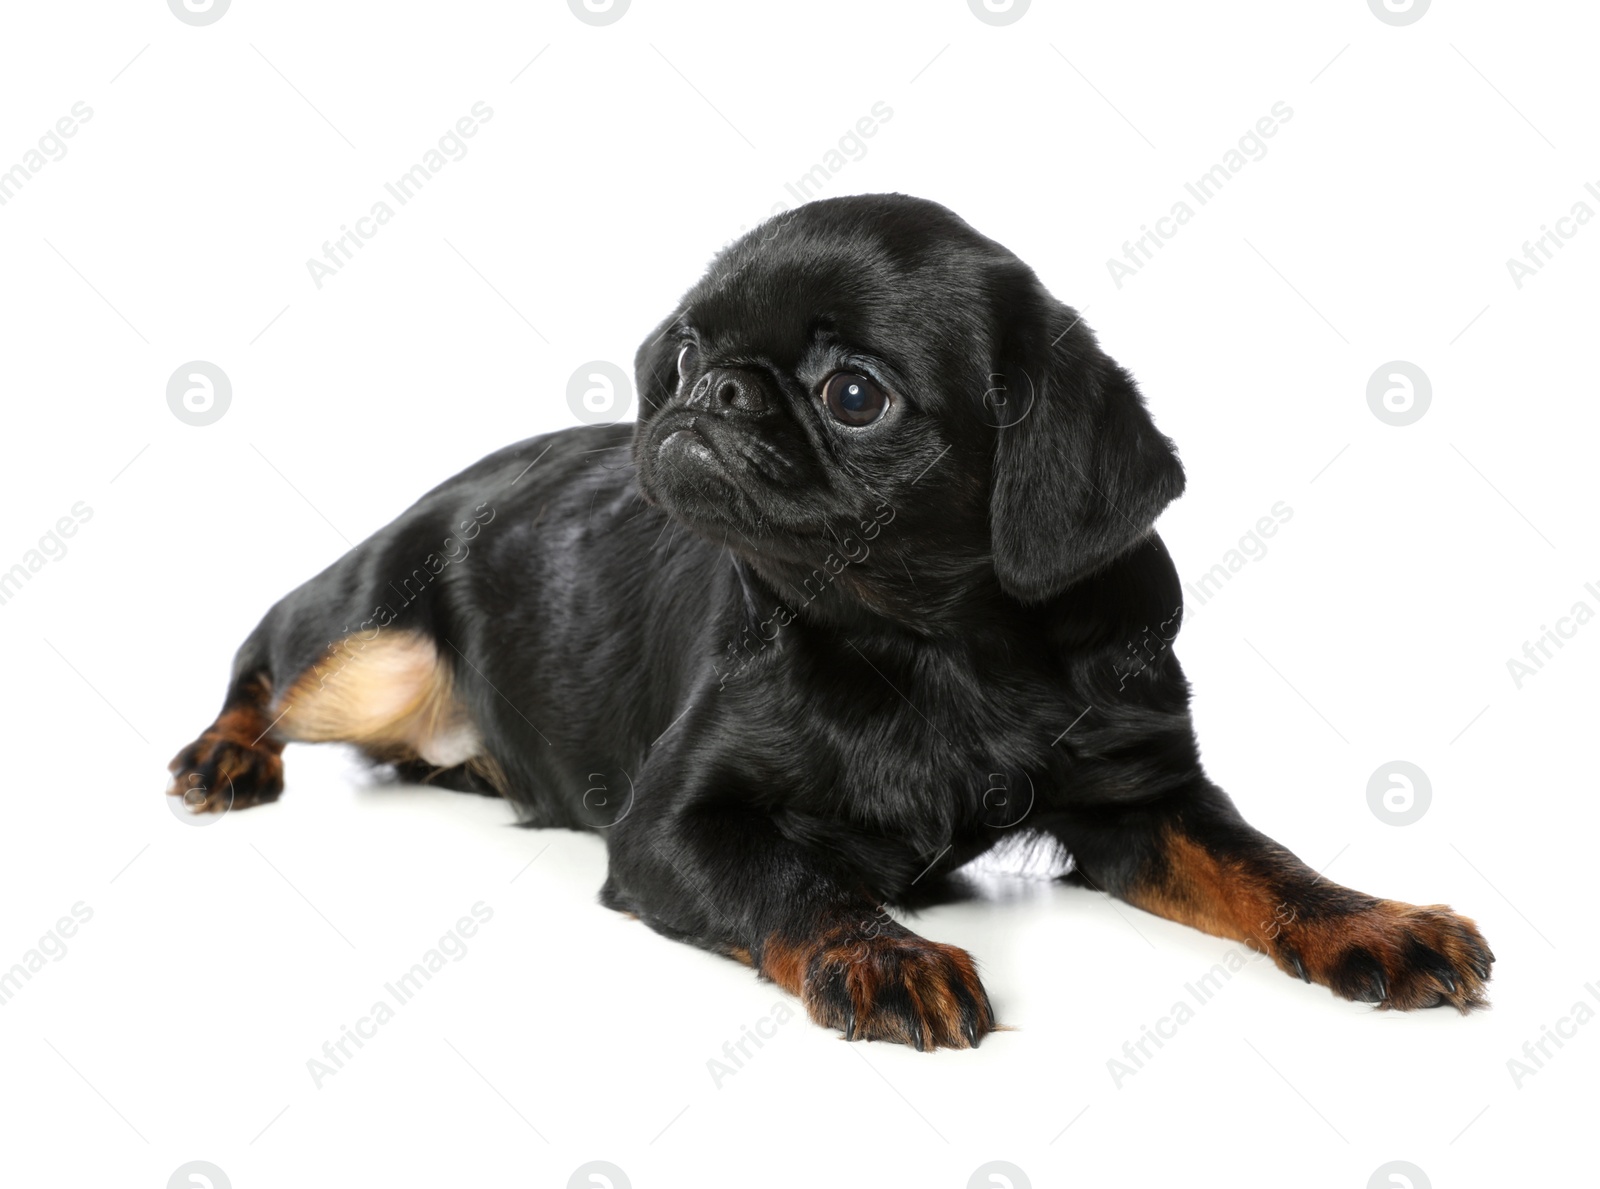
x: 926, y: 740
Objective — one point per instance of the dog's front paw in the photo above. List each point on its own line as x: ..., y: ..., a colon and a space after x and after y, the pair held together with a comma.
x: 888, y: 984
x: 219, y: 771
x: 1395, y: 955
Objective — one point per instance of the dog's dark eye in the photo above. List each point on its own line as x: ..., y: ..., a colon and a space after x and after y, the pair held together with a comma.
x: 853, y: 399
x: 688, y: 356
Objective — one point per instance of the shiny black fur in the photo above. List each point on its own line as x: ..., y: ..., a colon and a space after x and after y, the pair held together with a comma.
x: 793, y: 671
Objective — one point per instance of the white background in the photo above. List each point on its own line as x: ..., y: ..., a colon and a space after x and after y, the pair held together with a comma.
x: 1377, y: 626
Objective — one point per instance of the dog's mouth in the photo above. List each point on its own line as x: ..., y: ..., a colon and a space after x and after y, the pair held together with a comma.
x: 689, y: 443
x: 682, y: 465
x: 715, y: 472
x: 687, y: 459
x: 699, y: 447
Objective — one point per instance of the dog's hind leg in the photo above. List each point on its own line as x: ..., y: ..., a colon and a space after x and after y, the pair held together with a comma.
x: 391, y: 694
x: 237, y: 760
x: 389, y: 691
x: 350, y: 656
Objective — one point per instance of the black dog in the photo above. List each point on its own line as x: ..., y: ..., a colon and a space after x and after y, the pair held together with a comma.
x: 870, y: 586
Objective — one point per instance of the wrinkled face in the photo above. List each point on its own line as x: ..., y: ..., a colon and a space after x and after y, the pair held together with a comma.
x: 827, y: 374
x: 871, y: 369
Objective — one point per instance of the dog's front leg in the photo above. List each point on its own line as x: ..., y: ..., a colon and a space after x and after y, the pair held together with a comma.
x: 724, y: 874
x: 1190, y: 857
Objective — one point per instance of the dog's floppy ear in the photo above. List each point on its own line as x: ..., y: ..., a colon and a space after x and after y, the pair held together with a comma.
x: 1080, y: 470
x: 655, y: 367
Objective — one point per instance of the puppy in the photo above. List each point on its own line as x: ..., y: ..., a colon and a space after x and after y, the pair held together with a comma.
x: 869, y: 587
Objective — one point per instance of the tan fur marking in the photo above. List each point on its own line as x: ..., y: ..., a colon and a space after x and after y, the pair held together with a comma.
x: 392, y: 695
x: 1207, y: 894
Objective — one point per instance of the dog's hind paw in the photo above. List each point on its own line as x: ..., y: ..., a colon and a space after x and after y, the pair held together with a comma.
x: 221, y: 771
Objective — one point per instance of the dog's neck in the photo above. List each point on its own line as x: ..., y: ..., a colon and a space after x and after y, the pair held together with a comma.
x: 883, y: 595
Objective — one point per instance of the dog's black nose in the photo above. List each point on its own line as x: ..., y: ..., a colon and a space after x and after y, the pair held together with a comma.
x: 727, y: 389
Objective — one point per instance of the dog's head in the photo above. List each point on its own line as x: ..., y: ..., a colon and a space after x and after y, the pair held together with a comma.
x: 869, y: 380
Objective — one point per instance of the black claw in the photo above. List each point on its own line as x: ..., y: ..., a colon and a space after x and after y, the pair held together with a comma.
x: 1359, y: 975
x: 1449, y: 981
x: 917, y: 1040
x: 850, y: 1026
x: 972, y: 1033
x: 1299, y: 968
